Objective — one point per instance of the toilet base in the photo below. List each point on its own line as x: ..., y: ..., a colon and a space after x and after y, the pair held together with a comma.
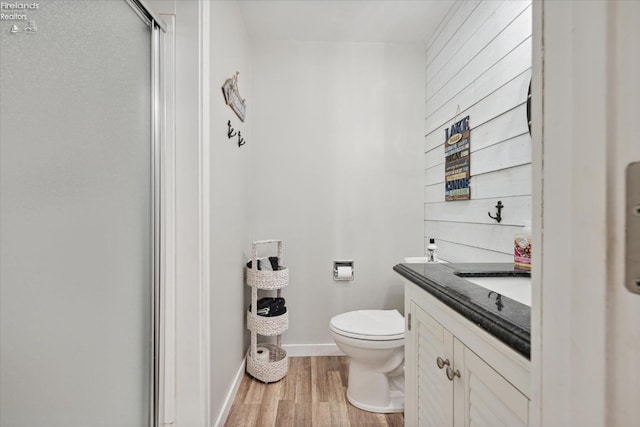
x: 396, y: 404
x: 375, y: 391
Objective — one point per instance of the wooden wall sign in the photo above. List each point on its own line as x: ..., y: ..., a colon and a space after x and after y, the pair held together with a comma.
x: 232, y: 96
x: 457, y: 166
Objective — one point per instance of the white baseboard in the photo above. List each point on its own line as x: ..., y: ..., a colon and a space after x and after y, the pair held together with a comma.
x: 226, y: 408
x: 305, y: 350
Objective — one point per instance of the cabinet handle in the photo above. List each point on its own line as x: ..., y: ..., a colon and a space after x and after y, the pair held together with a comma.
x: 442, y: 363
x: 451, y: 374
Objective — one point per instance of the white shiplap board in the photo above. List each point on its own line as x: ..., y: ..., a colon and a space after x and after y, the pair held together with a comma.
x: 515, y: 208
x: 482, y: 69
x: 509, y: 182
x: 495, y: 103
x: 455, y: 252
x: 485, y: 11
x: 513, y: 152
x: 503, y: 127
x: 498, y: 49
x: 493, y: 185
x: 500, y: 73
x: 459, y: 13
x: 434, y: 175
x: 488, y: 21
x: 494, y: 238
x: 507, y: 154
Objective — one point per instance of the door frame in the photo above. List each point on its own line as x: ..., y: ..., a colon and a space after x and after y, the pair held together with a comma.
x: 584, y: 321
x: 158, y: 29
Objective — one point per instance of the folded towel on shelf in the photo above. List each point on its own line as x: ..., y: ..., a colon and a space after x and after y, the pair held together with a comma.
x: 266, y: 302
x: 266, y: 263
x: 270, y: 307
x: 275, y: 313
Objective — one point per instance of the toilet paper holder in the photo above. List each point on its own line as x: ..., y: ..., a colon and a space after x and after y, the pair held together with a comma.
x: 340, y: 268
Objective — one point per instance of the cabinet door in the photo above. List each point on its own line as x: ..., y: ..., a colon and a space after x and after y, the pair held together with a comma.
x: 433, y: 404
x: 483, y: 398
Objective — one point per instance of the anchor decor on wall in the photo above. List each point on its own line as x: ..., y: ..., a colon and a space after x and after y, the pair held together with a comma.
x: 457, y: 168
x: 232, y: 96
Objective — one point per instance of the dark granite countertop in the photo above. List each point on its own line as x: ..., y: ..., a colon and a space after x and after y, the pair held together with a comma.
x: 506, y: 319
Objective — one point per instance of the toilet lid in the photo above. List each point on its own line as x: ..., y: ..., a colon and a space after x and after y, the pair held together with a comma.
x: 369, y: 324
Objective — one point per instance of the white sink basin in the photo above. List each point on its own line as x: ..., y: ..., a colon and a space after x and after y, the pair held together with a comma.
x: 516, y: 288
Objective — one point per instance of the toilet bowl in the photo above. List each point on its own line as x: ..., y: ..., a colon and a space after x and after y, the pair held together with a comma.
x: 374, y: 342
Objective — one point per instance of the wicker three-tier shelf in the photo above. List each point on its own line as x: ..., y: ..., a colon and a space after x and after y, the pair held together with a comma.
x: 273, y: 367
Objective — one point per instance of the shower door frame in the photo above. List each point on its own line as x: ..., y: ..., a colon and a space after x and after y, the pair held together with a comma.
x: 158, y: 28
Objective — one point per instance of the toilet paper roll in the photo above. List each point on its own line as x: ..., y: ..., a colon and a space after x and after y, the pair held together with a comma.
x: 262, y: 354
x: 345, y: 272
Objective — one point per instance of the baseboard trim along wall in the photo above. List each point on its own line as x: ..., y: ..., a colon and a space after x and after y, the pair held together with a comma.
x: 231, y: 395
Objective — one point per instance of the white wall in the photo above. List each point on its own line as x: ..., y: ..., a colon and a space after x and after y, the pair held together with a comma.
x: 336, y: 156
x: 229, y: 198
x: 479, y: 63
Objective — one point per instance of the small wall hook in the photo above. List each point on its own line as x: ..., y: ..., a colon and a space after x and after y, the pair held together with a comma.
x: 231, y: 131
x: 498, y: 216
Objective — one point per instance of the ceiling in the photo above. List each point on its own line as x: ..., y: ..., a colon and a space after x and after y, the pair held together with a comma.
x: 391, y: 21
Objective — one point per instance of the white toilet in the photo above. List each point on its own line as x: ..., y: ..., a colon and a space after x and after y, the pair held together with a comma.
x: 374, y: 341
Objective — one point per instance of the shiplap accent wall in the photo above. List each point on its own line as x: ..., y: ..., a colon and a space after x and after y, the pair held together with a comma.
x: 479, y: 64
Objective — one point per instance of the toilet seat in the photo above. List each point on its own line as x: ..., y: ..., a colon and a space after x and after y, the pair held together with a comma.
x: 370, y: 325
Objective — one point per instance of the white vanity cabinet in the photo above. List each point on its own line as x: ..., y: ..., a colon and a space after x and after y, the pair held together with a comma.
x: 456, y: 374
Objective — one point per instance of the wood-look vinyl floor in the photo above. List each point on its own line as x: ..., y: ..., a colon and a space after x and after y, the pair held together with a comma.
x: 312, y: 394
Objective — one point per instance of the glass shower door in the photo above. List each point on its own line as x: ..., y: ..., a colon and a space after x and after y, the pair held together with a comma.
x: 76, y: 211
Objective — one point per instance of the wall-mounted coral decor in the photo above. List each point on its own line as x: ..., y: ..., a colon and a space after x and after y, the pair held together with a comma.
x: 232, y: 96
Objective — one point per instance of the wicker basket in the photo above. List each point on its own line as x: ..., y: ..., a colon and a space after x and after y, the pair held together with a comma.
x: 263, y: 279
x: 267, y: 279
x: 273, y: 370
x: 267, y: 326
